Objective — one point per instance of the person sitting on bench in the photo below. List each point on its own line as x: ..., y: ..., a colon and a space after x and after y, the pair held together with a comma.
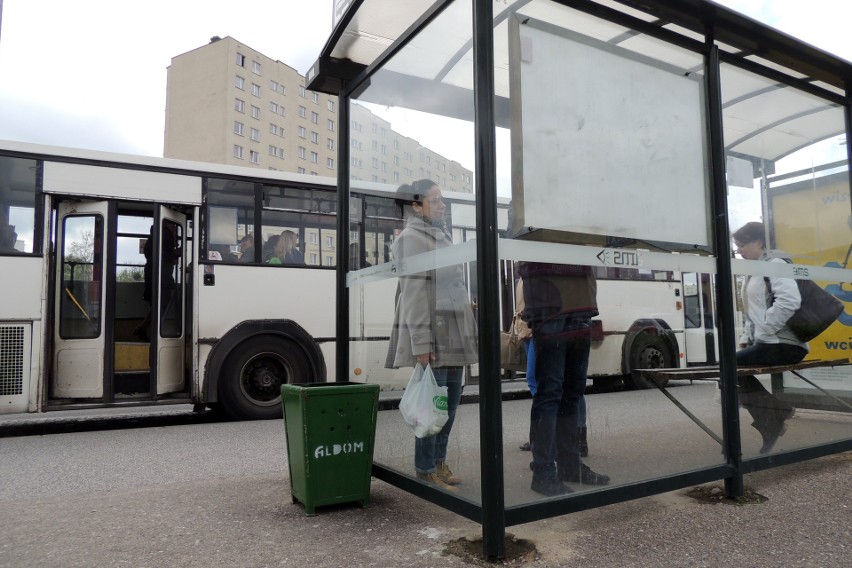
x: 766, y: 339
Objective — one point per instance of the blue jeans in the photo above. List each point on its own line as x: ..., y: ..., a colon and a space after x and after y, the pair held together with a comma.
x: 531, y: 383
x: 562, y: 362
x: 762, y: 405
x: 433, y: 449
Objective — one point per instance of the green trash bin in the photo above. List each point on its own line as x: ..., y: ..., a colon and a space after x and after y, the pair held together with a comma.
x: 331, y: 428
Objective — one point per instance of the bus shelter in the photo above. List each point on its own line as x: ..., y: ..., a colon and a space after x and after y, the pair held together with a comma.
x: 626, y: 141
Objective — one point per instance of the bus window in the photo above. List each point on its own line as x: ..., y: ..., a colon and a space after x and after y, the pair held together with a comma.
x: 310, y: 214
x: 230, y: 219
x: 17, y: 205
x: 171, y: 278
x: 691, y: 302
x: 82, y: 267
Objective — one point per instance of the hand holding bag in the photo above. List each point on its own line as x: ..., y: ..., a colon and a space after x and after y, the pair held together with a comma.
x: 513, y: 352
x: 424, y: 404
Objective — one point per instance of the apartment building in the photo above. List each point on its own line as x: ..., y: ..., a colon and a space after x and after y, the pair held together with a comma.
x: 227, y: 103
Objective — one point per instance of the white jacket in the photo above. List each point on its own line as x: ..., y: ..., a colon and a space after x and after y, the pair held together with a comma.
x: 765, y: 323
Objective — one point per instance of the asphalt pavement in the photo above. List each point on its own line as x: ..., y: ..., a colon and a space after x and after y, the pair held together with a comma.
x: 248, y: 519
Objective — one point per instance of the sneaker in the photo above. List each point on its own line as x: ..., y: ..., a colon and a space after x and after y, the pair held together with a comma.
x: 549, y: 486
x: 583, y: 474
x: 445, y: 474
x: 433, y: 479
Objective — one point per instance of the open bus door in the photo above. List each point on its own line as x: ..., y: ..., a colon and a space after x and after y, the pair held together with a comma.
x: 699, y: 319
x: 81, y: 366
x: 168, y: 328
x: 95, y: 356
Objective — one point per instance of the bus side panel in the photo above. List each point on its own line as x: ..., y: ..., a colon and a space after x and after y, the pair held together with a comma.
x: 20, y: 332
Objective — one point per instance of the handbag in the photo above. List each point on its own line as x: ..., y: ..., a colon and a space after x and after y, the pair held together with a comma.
x: 424, y: 403
x: 513, y: 351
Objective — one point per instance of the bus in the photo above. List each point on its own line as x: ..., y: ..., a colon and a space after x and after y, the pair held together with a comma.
x: 134, y: 280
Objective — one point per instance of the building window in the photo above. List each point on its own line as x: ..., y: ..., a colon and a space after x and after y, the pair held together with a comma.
x: 330, y: 144
x: 255, y: 134
x: 330, y: 163
x: 356, y: 127
x: 303, y: 112
x: 301, y: 171
x: 239, y: 105
x: 375, y: 146
x: 238, y: 127
x: 313, y: 257
x: 396, y: 160
x: 314, y: 157
x: 314, y: 118
x: 273, y: 150
x: 255, y: 89
x: 315, y: 98
x: 395, y: 144
x: 331, y: 106
x: 375, y: 163
x: 273, y: 107
x: 255, y: 112
x: 302, y: 132
x: 239, y: 82
x: 356, y: 163
x: 384, y: 150
x: 375, y: 128
x: 255, y: 67
x: 331, y: 125
x: 273, y: 85
x: 384, y: 166
x: 315, y: 137
x: 302, y: 91
x: 241, y: 60
x: 238, y: 151
x: 396, y: 176
x: 273, y: 128
x: 254, y: 157
x: 302, y: 152
x: 281, y: 153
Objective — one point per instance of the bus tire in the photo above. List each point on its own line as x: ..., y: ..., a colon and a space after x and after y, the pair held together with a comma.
x: 250, y: 384
x: 648, y: 351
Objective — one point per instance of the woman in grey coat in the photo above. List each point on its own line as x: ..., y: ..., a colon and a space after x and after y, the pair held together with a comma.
x: 433, y: 320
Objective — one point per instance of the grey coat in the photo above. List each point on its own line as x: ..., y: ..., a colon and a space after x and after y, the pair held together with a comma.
x: 433, y: 311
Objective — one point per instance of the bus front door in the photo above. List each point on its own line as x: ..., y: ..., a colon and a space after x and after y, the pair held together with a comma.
x: 699, y: 321
x: 168, y: 325
x: 81, y: 357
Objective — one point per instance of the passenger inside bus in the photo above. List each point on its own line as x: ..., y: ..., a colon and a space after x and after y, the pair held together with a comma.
x: 247, y: 248
x: 8, y: 236
x: 286, y: 250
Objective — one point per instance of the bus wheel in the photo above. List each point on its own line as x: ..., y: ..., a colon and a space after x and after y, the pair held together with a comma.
x: 250, y: 384
x: 648, y: 352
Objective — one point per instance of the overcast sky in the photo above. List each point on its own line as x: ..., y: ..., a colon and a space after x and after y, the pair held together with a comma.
x: 92, y: 73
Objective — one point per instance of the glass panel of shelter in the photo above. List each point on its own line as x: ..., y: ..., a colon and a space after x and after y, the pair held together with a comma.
x: 414, y: 301
x: 581, y: 197
x: 793, y: 207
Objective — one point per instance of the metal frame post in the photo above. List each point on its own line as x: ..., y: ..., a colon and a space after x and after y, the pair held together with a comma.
x: 725, y: 283
x: 488, y: 282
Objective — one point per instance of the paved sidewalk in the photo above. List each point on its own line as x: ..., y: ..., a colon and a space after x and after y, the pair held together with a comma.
x: 250, y: 521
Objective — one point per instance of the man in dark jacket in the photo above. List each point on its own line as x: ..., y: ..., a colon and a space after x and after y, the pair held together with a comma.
x: 560, y: 301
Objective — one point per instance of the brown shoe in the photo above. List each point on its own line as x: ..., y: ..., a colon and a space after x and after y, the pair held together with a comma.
x: 446, y: 475
x: 433, y: 479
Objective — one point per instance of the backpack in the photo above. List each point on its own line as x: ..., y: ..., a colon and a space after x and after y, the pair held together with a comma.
x: 818, y: 310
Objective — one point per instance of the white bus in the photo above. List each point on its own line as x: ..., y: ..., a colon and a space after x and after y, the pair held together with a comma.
x: 227, y: 327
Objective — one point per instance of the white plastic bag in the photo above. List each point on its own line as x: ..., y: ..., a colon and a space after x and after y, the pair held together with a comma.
x: 424, y: 404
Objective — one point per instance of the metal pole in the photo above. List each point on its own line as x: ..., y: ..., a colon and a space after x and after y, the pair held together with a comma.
x: 488, y: 280
x: 342, y: 303
x: 725, y: 283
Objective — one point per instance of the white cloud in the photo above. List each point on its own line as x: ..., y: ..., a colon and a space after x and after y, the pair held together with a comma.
x: 92, y: 73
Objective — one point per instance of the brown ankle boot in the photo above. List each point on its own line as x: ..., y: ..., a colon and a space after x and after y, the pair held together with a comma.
x: 445, y: 474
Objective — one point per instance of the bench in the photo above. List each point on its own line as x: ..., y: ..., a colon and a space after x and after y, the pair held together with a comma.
x: 659, y: 378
